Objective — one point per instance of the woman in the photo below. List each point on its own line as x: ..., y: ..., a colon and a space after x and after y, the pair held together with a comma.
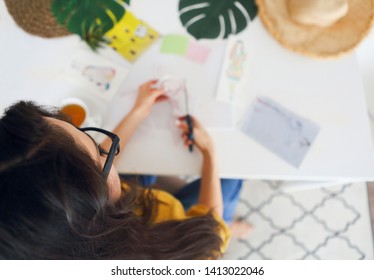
x: 61, y: 198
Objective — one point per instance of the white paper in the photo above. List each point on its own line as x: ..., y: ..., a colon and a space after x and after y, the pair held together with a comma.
x: 200, y: 81
x: 233, y: 71
x: 99, y: 75
x: 284, y: 133
x: 176, y: 90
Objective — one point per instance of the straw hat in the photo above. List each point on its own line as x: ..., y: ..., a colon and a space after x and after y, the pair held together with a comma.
x: 318, y: 28
x: 35, y: 17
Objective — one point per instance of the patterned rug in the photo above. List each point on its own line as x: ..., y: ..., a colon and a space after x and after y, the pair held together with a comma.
x: 323, y: 223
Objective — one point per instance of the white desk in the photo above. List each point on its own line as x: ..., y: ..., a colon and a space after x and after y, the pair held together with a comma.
x: 327, y: 92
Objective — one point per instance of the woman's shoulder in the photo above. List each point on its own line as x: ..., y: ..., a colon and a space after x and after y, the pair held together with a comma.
x: 169, y: 208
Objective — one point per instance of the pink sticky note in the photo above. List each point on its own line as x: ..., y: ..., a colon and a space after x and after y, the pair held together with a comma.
x: 197, y: 52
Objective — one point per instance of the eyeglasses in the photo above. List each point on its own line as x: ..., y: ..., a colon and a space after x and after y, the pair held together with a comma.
x: 113, y: 151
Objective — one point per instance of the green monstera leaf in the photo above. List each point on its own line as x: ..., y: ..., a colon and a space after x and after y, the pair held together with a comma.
x: 216, y: 18
x: 90, y: 19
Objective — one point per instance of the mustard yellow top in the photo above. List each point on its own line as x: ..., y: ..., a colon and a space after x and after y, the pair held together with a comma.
x: 172, y: 209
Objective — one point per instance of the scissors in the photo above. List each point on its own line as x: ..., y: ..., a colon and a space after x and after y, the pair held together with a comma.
x: 190, y: 135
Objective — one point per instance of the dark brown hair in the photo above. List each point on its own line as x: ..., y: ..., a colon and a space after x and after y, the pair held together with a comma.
x: 55, y: 204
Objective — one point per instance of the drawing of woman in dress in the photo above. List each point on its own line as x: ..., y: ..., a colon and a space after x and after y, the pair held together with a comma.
x: 237, y: 56
x: 235, y: 68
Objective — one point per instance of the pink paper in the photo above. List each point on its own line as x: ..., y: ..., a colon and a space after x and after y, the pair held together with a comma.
x: 197, y: 52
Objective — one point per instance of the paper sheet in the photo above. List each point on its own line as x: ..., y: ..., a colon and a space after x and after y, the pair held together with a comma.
x: 197, y: 52
x: 284, y: 133
x: 233, y: 71
x: 174, y: 44
x: 92, y: 72
x: 200, y: 84
x: 130, y: 37
x: 175, y: 89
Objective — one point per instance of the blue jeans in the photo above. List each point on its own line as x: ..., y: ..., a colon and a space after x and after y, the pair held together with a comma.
x: 189, y: 194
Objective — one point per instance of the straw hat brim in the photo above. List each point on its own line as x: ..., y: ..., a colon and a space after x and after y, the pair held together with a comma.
x: 321, y: 42
x: 35, y: 17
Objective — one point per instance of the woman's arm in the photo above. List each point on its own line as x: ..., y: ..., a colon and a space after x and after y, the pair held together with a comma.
x: 210, y: 189
x: 147, y: 97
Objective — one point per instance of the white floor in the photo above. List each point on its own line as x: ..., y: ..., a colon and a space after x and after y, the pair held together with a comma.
x: 331, y: 223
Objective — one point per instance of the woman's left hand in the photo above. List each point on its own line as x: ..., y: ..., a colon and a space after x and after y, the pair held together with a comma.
x: 147, y: 97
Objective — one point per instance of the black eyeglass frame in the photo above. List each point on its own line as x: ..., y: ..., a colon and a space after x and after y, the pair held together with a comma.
x: 113, y: 151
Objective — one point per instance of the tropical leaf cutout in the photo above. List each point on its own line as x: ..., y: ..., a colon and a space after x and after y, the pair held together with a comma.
x: 216, y: 18
x: 90, y: 19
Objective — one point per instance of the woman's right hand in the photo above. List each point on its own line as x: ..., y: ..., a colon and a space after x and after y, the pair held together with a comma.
x: 210, y: 193
x: 202, y: 139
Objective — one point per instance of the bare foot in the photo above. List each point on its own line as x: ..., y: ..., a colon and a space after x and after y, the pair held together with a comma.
x: 240, y: 229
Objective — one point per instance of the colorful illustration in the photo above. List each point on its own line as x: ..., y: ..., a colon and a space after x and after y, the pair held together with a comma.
x: 101, y: 76
x: 95, y: 74
x: 235, y: 67
x: 131, y: 37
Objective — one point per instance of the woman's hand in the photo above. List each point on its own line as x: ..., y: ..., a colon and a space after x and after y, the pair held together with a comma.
x: 202, y: 139
x: 147, y: 97
x: 210, y: 193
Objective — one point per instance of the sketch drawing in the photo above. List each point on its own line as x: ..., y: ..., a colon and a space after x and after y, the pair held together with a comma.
x: 101, y: 76
x: 235, y: 68
x: 174, y: 88
x: 95, y: 74
x: 286, y: 134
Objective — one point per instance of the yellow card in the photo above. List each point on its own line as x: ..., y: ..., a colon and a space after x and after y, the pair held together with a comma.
x: 131, y: 36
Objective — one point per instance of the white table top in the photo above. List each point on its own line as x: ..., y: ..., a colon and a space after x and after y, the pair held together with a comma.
x: 328, y: 92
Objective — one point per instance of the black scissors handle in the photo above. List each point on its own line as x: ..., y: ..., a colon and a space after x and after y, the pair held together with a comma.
x: 190, y: 131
